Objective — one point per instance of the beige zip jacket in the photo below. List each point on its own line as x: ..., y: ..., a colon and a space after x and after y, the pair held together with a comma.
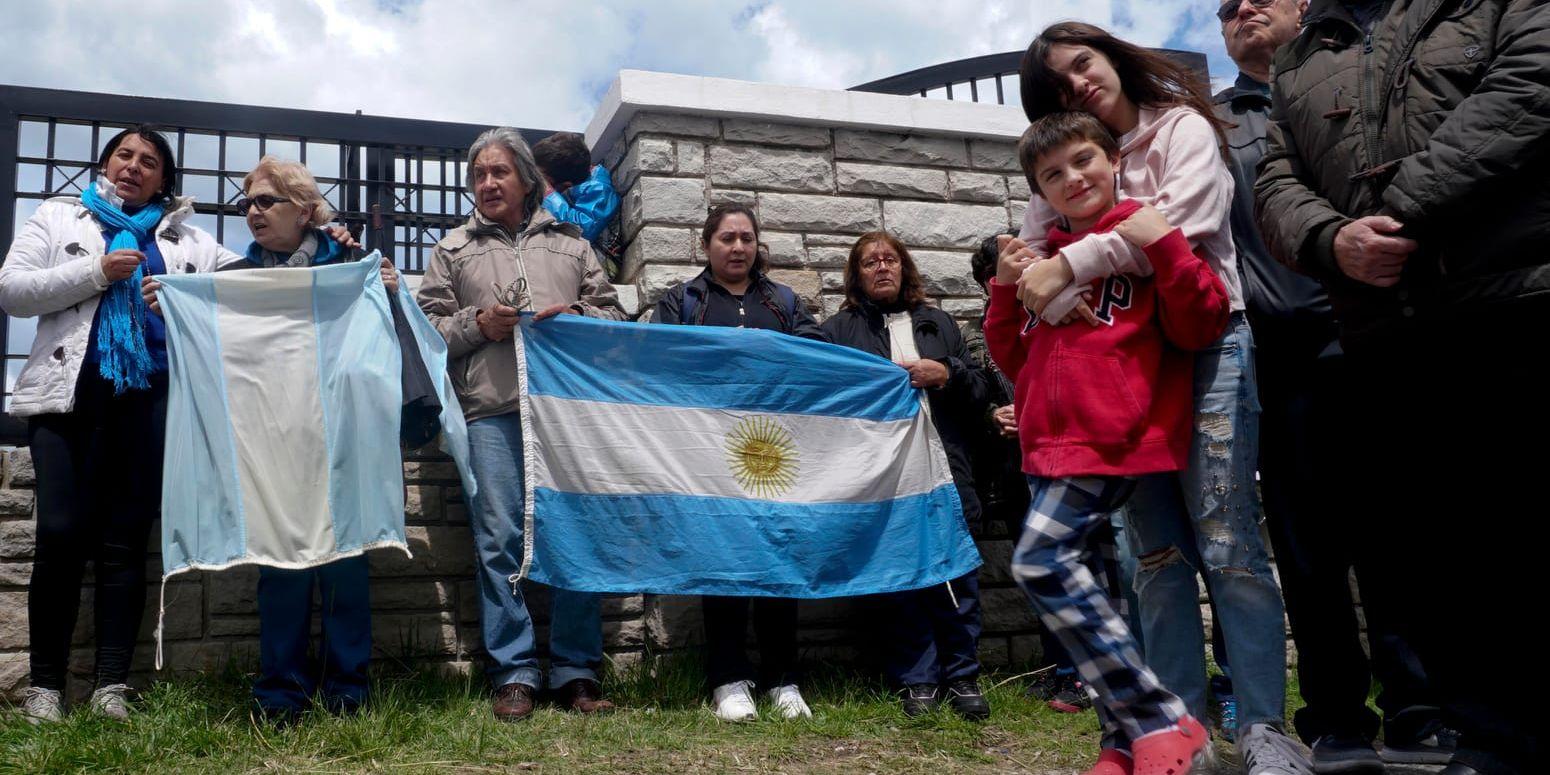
x: 465, y: 270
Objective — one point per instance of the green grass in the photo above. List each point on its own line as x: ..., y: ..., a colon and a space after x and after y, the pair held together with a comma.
x: 422, y: 722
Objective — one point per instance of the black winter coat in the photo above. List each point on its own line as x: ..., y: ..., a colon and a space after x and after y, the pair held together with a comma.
x: 764, y: 305
x: 1438, y: 115
x: 955, y: 407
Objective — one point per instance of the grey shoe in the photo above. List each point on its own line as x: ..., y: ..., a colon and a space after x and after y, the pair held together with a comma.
x: 1266, y: 750
x: 1345, y: 754
x: 111, y: 701
x: 42, y: 706
x: 1432, y: 744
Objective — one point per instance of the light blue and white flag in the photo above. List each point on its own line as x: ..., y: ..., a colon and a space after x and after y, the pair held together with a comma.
x: 283, y: 416
x: 722, y: 461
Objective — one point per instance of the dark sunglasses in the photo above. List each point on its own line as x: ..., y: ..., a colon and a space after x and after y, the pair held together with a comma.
x: 262, y: 203
x: 1229, y: 9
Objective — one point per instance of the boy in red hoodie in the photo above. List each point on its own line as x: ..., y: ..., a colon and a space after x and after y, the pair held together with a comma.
x: 1099, y: 405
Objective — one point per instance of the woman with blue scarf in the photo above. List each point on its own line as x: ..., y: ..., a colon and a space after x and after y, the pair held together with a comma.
x: 94, y: 390
x: 285, y: 211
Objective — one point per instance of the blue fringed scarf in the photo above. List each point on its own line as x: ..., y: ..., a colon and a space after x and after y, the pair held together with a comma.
x: 122, y: 356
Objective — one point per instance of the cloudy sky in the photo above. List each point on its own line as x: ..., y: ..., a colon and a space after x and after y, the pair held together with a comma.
x: 533, y: 64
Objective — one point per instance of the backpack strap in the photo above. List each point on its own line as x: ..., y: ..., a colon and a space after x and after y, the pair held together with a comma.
x: 788, y: 297
x: 686, y: 307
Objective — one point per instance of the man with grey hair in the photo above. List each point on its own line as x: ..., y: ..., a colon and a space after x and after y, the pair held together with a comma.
x: 513, y: 254
x: 1306, y: 475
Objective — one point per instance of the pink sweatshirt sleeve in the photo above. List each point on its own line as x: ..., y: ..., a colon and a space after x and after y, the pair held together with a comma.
x: 1194, y: 192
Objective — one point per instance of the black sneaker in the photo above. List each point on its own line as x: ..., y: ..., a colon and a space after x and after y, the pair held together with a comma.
x: 1042, y: 688
x: 967, y: 700
x: 1433, y: 744
x: 919, y: 699
x: 1070, y: 695
x: 1345, y: 753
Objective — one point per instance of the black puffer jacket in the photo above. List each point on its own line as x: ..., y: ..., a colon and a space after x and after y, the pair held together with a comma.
x: 956, y: 406
x: 1439, y: 115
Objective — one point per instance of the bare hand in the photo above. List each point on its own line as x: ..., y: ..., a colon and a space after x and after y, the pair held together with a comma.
x: 342, y: 235
x: 1005, y: 418
x: 148, y: 289
x: 389, y: 276
x: 1082, y: 311
x: 1144, y: 227
x: 121, y: 263
x: 1366, y: 253
x: 497, y: 322
x: 552, y: 310
x: 1043, y: 281
x: 1015, y: 256
x: 926, y: 373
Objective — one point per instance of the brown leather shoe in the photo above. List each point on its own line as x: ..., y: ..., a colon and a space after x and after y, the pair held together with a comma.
x: 583, y: 696
x: 513, y: 702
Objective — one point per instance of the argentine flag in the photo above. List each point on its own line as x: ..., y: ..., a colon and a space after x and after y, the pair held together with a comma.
x: 724, y: 461
x: 282, y: 416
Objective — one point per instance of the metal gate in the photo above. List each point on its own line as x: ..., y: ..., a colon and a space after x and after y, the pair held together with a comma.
x: 396, y: 182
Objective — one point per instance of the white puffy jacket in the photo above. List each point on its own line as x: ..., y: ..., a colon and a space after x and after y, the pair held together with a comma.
x: 54, y: 271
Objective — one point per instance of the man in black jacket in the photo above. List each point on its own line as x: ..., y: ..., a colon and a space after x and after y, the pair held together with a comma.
x: 1315, y: 527
x: 1408, y: 168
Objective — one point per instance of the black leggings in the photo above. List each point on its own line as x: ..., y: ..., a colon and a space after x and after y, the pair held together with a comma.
x: 98, y: 492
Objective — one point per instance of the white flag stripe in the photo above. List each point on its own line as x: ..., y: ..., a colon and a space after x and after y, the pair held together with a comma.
x: 617, y: 449
x: 269, y: 355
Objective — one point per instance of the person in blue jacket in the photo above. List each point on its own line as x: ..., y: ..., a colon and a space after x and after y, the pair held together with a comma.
x: 579, y: 193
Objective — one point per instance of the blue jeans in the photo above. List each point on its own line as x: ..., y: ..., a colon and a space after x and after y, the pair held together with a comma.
x: 1205, y: 520
x: 287, y: 678
x: 496, y: 518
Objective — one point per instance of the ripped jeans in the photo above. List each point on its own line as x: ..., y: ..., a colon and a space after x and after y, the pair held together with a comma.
x: 1205, y: 520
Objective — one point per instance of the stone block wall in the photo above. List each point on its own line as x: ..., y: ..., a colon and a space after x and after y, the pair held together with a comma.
x: 815, y: 189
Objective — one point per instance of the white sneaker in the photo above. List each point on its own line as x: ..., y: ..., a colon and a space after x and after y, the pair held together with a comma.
x: 734, y: 701
x: 111, y: 701
x: 40, y: 706
x: 1266, y: 750
x: 788, y: 702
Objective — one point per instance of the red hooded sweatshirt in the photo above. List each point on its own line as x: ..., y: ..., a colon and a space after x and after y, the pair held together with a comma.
x: 1116, y: 399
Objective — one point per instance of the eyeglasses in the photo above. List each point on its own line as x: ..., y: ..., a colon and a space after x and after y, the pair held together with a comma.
x: 1229, y: 9
x: 872, y: 264
x: 514, y: 295
x: 262, y: 203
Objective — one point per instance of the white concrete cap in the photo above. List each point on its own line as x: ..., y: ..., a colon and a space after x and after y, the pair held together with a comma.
x: 635, y: 91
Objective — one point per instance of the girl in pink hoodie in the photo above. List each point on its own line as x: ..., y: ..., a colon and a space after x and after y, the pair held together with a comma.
x: 1204, y: 519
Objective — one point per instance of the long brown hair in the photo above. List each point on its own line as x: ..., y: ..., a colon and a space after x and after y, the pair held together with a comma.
x: 912, y: 290
x: 719, y: 213
x: 1147, y: 77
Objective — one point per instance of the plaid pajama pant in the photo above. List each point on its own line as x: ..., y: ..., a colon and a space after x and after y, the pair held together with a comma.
x: 1051, y: 564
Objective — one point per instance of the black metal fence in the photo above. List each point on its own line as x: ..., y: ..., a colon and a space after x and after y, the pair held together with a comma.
x: 988, y: 78
x: 397, y: 182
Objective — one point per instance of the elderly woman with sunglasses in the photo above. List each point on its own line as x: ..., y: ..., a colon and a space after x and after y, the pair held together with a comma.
x: 94, y: 392
x: 285, y: 211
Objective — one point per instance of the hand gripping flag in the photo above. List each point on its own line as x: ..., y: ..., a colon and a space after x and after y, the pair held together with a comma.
x: 723, y: 461
x: 282, y: 417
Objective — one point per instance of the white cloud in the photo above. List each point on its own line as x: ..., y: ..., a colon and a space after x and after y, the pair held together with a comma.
x: 534, y: 63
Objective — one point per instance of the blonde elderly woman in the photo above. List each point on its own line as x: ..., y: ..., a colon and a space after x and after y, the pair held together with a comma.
x: 285, y: 211
x: 94, y: 392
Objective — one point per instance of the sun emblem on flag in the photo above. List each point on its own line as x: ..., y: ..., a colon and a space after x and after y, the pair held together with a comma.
x: 763, y: 456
